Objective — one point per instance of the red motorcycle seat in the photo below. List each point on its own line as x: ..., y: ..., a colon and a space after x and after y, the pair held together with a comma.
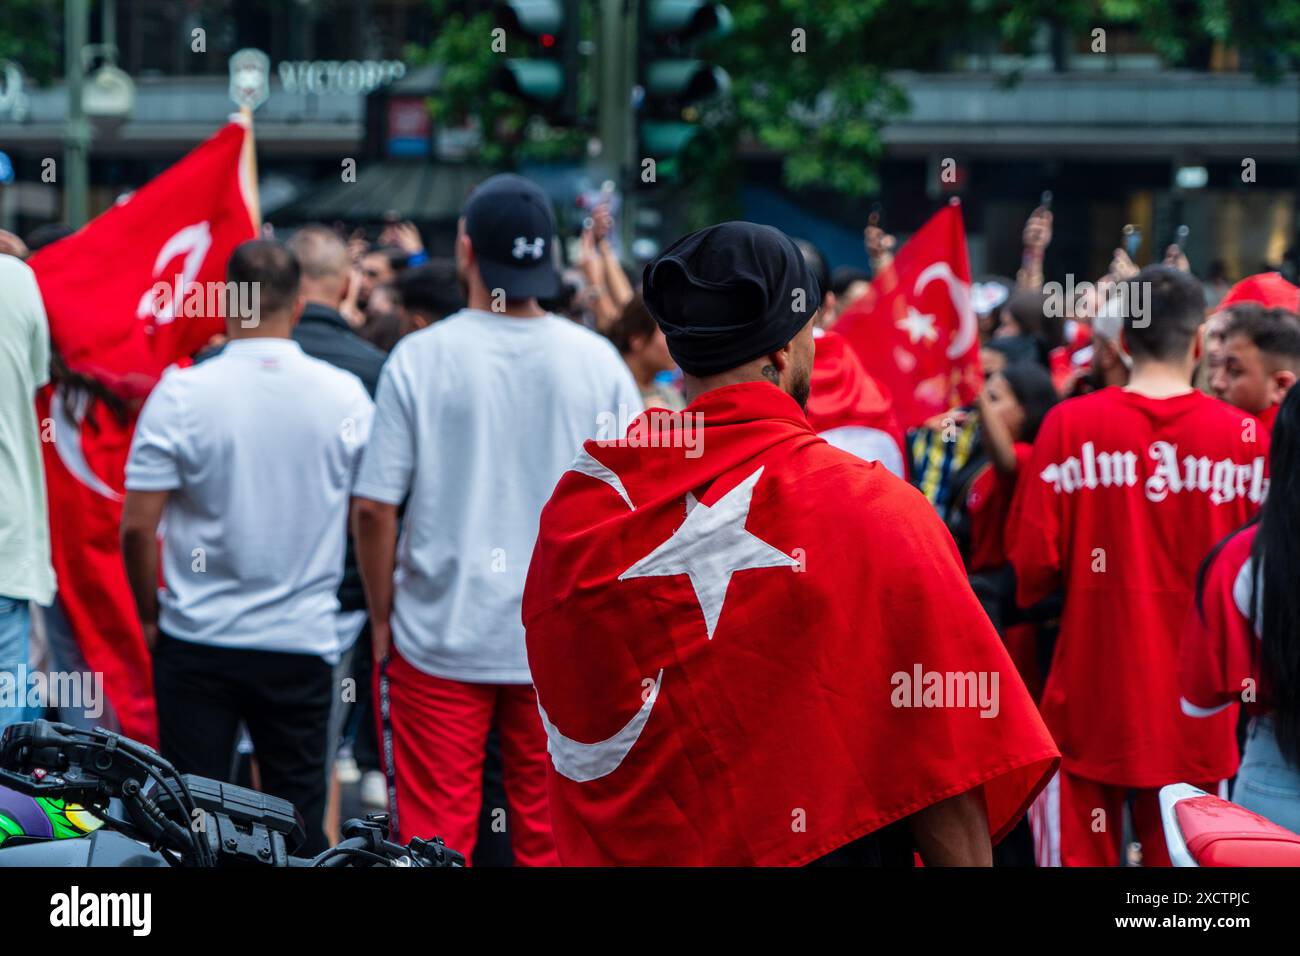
x: 1219, y: 833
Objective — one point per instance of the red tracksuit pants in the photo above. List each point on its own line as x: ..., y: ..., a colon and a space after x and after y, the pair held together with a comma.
x: 433, y: 751
x: 1080, y: 822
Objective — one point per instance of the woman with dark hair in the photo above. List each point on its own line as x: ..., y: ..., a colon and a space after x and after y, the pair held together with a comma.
x: 1011, y: 408
x: 1254, y: 576
x: 641, y: 342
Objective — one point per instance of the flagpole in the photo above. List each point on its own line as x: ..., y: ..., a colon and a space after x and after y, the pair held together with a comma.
x: 248, y: 169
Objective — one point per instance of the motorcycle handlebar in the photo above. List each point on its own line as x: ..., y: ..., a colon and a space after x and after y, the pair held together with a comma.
x: 42, y: 758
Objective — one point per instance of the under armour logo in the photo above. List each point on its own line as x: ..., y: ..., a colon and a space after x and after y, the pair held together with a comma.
x: 525, y: 248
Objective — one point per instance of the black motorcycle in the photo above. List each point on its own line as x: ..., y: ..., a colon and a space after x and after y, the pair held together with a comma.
x: 151, y: 815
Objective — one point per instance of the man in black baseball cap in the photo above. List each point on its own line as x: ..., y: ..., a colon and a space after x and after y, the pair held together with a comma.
x: 736, y: 302
x: 507, y: 237
x: 476, y: 417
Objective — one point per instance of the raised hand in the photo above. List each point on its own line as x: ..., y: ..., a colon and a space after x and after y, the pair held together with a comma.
x: 11, y: 245
x: 879, y: 244
x: 1038, y: 229
x: 403, y: 235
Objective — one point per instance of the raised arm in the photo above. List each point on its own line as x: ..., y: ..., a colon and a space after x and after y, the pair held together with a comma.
x: 620, y: 290
x: 1001, y: 446
x: 1037, y: 237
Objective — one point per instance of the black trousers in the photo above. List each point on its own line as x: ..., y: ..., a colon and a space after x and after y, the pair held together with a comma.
x: 361, y: 721
x: 203, y: 694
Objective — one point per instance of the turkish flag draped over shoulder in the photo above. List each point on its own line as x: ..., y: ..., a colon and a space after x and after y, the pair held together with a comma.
x: 740, y: 638
x: 915, y: 329
x: 108, y: 323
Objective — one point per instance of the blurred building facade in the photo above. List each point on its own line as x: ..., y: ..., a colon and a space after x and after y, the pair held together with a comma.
x: 1117, y: 138
x: 325, y: 60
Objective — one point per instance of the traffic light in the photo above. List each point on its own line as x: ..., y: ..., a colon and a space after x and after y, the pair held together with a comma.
x: 546, y: 75
x: 674, y: 83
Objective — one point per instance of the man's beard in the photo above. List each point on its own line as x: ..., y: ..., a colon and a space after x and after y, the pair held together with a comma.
x: 801, y: 387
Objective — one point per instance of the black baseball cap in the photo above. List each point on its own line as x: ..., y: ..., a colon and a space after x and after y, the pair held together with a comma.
x: 511, y: 224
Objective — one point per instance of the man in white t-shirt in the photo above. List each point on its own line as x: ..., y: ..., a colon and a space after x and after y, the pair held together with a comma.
x: 250, y: 458
x: 477, y: 418
x: 25, y: 571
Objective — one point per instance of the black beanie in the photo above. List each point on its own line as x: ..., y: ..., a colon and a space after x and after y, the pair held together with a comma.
x: 727, y: 294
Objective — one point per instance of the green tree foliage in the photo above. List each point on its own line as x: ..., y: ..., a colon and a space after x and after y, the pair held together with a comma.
x: 30, y: 36
x: 466, y: 94
x: 822, y: 110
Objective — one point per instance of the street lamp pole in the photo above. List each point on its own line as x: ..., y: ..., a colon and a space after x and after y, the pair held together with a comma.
x: 615, y: 60
x: 612, y: 90
x: 1295, y: 208
x: 76, y: 136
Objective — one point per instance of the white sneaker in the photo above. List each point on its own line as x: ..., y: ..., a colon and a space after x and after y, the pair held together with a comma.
x: 374, y: 790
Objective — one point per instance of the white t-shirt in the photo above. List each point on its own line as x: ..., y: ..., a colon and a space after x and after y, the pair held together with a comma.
x: 477, y: 417
x: 259, y: 447
x: 25, y: 571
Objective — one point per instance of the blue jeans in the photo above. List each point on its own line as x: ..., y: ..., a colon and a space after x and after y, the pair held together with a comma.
x: 1267, y: 783
x: 64, y: 656
x: 15, y: 624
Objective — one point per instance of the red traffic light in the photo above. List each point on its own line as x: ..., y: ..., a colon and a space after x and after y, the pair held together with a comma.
x: 548, y: 40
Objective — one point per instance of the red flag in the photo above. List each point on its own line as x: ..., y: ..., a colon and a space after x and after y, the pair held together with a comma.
x: 914, y: 328
x: 107, y: 323
x: 177, y: 230
x: 731, y: 650
x: 850, y: 409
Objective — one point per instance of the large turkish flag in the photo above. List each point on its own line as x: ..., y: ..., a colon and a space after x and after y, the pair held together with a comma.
x: 107, y: 324
x: 915, y: 329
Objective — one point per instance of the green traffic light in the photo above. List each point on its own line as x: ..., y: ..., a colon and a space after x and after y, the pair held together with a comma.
x: 664, y: 138
x: 531, y: 16
x: 685, y: 79
x: 541, y: 81
x: 687, y: 19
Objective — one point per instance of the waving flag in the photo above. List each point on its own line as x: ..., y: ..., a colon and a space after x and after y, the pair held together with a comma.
x: 109, y: 322
x: 729, y: 650
x: 914, y: 328
x: 848, y: 407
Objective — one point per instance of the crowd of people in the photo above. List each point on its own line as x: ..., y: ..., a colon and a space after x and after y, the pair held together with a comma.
x: 349, y: 493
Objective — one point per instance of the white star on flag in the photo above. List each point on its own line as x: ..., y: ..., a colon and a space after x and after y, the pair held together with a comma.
x: 918, y: 326
x: 710, y: 546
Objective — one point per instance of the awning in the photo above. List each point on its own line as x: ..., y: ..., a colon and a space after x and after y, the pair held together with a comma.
x: 417, y: 190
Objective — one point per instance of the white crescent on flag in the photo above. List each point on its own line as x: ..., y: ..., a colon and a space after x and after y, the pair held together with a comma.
x: 67, y: 444
x: 959, y: 292
x: 584, y: 762
x: 571, y: 758
x: 193, y: 242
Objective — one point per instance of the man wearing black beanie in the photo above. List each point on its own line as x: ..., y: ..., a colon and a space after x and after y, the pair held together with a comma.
x: 736, y: 302
x: 751, y: 648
